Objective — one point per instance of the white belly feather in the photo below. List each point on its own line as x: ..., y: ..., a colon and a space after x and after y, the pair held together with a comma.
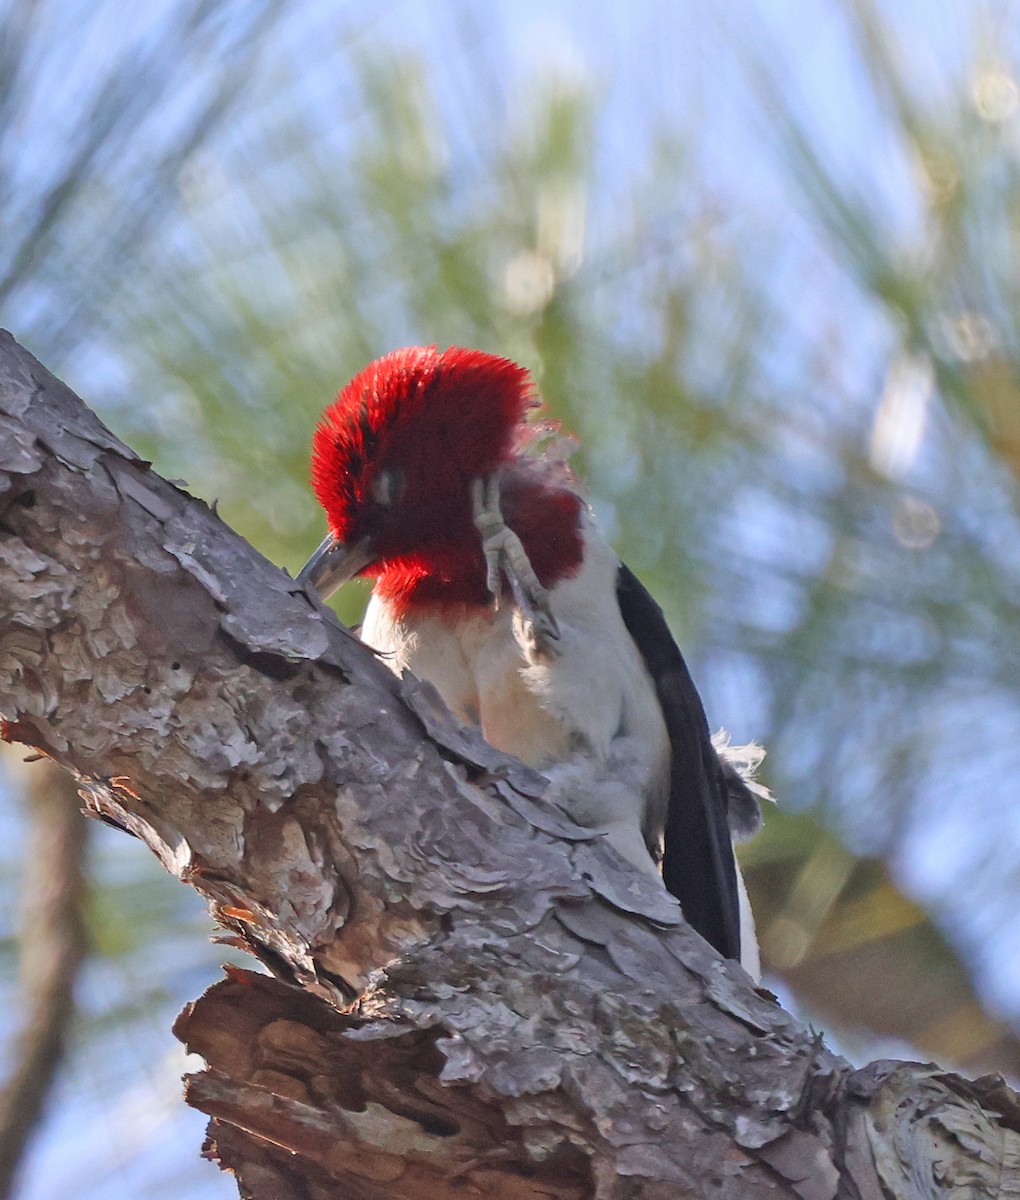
x: 589, y: 718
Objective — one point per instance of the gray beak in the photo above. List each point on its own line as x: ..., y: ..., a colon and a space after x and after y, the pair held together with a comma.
x: 333, y: 564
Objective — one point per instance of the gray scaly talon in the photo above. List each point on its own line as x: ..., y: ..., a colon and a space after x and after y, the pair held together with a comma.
x: 505, y: 555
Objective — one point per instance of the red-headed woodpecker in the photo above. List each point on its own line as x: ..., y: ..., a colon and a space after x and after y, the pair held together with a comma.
x: 436, y: 486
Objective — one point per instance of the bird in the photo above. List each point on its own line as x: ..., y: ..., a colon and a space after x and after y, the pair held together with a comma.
x: 442, y: 483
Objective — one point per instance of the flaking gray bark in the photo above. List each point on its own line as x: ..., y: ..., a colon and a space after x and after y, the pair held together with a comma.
x: 471, y: 996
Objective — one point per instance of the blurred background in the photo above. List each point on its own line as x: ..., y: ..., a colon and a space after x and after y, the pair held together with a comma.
x: 762, y: 258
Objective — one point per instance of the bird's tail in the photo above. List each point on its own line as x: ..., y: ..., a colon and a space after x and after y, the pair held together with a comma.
x: 744, y: 792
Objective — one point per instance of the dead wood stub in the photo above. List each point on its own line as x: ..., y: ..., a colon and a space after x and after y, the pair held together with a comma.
x: 351, y: 1097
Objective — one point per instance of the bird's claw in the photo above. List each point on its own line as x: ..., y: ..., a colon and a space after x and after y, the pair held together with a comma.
x: 505, y: 556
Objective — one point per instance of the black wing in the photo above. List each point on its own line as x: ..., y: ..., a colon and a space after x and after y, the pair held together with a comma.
x: 697, y: 865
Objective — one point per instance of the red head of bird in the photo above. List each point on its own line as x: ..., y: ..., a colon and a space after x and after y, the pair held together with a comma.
x: 393, y: 462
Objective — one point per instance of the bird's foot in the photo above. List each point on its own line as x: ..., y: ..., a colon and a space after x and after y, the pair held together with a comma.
x: 505, y: 556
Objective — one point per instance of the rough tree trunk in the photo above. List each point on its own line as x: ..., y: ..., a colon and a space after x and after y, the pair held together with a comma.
x: 468, y: 995
x: 53, y: 945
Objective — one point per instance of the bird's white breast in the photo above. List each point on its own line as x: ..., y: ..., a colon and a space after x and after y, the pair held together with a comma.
x: 587, y: 716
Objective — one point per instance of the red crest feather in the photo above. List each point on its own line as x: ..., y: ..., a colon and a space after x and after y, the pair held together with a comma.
x: 445, y: 416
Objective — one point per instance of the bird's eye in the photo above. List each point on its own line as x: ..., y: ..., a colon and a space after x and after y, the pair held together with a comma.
x: 388, y: 487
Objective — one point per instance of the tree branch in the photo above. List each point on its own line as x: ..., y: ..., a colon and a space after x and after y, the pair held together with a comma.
x: 53, y: 945
x: 472, y: 995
